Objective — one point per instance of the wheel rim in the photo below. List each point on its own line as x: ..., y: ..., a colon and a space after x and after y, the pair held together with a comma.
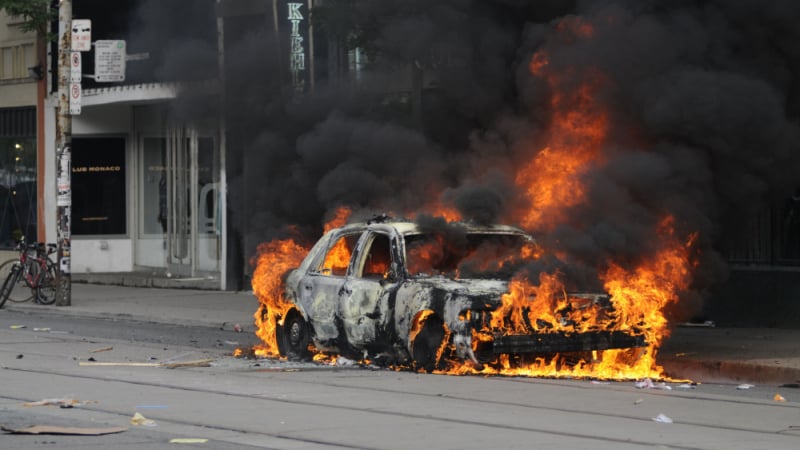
x: 296, y: 334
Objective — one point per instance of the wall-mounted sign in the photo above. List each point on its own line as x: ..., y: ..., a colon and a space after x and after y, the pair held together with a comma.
x: 297, y: 51
x: 109, y: 61
x: 98, y: 186
x: 81, y: 35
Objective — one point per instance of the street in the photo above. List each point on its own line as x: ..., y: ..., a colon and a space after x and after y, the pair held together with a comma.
x: 241, y: 403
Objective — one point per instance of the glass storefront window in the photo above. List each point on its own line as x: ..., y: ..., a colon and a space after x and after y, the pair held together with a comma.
x: 17, y: 190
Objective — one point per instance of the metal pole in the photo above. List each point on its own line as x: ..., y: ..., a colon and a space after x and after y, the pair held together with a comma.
x: 63, y: 157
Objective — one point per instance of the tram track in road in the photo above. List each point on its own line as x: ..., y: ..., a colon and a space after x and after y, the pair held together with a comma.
x: 400, y: 414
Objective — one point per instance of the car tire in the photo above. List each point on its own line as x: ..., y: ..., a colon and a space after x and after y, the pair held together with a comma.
x: 425, y: 349
x: 296, y: 335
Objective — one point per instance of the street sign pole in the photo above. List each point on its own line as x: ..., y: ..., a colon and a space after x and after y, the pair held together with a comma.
x: 63, y: 156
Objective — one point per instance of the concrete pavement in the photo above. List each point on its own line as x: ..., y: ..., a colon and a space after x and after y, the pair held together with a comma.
x: 703, y: 354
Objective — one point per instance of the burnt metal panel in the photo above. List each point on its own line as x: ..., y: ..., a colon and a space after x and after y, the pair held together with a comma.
x: 18, y: 122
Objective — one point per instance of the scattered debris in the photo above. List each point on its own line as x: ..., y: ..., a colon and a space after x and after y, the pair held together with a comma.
x: 48, y: 429
x: 341, y: 361
x: 779, y: 398
x: 744, y: 387
x: 687, y: 386
x: 61, y: 402
x: 231, y: 342
x: 17, y: 327
x: 20, y: 356
x: 104, y: 349
x: 41, y: 329
x: 188, y: 441
x: 237, y: 328
x: 647, y: 383
x: 600, y: 382
x: 661, y: 418
x: 791, y: 385
x: 168, y: 365
x: 638, y: 401
x: 92, y: 362
x: 139, y: 419
x: 195, y: 363
x: 91, y: 358
x: 707, y: 324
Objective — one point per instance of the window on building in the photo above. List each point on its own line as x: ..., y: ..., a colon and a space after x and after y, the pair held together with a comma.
x: 770, y: 238
x: 18, y: 210
x: 15, y: 60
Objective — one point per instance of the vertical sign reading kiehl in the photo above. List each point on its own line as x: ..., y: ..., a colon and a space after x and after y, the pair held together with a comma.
x: 297, y: 51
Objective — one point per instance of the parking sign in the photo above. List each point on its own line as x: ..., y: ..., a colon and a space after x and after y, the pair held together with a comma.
x: 81, y: 35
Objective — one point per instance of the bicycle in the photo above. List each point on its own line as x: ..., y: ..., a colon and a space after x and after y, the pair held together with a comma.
x: 31, y: 275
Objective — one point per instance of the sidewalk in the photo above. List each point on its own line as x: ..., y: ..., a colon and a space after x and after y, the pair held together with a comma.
x: 703, y: 354
x: 204, y: 308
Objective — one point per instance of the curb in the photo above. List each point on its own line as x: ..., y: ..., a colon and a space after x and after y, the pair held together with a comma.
x: 726, y: 371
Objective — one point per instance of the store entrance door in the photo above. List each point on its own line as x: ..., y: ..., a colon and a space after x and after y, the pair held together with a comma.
x: 180, y: 203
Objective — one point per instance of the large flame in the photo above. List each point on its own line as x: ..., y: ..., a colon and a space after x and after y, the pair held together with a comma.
x: 274, y: 259
x: 639, y: 297
x: 551, y: 180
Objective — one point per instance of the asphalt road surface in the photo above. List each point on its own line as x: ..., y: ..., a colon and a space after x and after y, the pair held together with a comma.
x: 238, y: 403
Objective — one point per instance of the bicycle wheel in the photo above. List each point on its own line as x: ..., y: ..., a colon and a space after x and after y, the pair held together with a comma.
x: 8, y: 284
x: 19, y: 291
x: 47, y: 288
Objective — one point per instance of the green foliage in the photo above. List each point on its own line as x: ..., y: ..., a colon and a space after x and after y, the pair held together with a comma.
x: 37, y: 13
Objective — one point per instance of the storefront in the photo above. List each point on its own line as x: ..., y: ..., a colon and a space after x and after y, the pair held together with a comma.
x: 146, y: 189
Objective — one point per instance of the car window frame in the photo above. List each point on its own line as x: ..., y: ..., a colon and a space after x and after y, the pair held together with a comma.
x: 319, y: 258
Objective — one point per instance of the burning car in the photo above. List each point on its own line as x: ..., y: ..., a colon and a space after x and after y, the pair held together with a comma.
x: 420, y: 296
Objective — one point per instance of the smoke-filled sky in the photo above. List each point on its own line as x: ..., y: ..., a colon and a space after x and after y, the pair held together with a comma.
x: 700, y: 101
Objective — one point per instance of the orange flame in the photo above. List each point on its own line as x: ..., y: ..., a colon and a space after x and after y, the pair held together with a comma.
x: 552, y: 179
x: 274, y: 259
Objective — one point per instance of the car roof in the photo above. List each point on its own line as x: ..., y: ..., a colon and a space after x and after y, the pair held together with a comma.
x: 407, y: 227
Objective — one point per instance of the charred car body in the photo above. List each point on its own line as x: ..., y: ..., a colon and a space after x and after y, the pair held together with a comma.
x: 395, y: 291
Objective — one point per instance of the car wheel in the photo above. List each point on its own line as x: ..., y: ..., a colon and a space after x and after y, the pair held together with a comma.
x: 296, y: 337
x: 427, y: 344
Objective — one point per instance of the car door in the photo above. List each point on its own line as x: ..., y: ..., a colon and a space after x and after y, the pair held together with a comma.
x: 365, y: 308
x: 319, y: 289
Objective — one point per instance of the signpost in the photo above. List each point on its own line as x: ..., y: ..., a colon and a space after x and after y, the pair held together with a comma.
x: 73, y: 36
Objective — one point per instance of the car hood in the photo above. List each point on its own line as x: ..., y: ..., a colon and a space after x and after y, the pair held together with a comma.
x: 485, y: 290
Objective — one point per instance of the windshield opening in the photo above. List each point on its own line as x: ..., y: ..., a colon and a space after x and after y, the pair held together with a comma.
x: 473, y: 255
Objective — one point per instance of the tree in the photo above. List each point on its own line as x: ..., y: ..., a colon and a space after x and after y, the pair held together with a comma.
x: 38, y: 14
